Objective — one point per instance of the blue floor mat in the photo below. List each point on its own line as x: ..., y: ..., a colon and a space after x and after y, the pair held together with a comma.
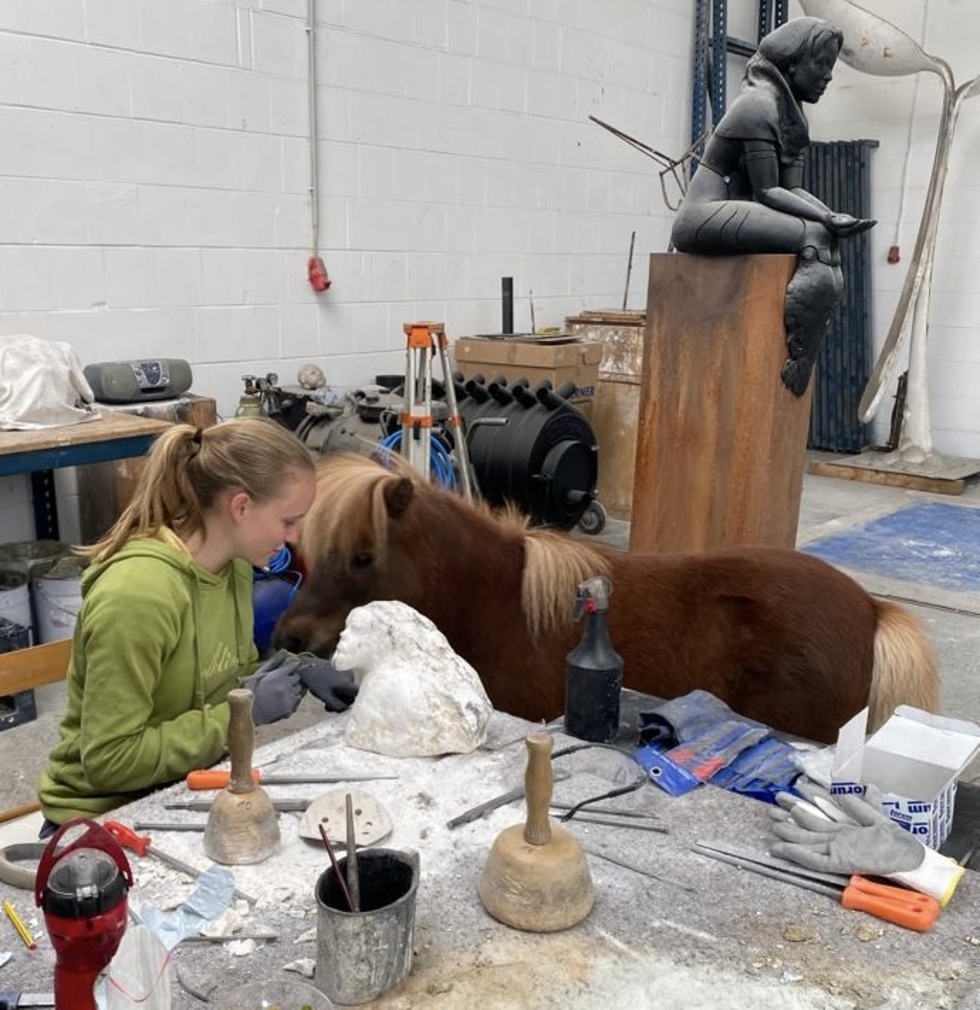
x: 935, y: 544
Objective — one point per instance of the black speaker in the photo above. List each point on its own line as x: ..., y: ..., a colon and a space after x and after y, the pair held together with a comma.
x: 136, y: 381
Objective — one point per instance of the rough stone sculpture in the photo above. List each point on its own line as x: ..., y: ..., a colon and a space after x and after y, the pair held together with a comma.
x: 747, y: 194
x: 417, y: 697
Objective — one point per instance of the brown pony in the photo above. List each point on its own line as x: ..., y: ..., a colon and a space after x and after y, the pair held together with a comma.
x: 779, y: 636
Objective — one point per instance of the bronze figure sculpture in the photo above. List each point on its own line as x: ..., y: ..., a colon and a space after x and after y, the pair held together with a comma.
x: 747, y: 195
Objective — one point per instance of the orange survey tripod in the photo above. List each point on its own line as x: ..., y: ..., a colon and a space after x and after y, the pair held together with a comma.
x: 424, y: 340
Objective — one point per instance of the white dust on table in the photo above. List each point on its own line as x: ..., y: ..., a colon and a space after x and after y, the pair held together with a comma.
x: 424, y: 794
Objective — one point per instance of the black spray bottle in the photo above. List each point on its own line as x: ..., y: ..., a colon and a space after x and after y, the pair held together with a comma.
x: 593, y: 670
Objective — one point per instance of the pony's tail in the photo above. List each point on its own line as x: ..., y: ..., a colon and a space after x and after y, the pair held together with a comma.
x: 905, y: 670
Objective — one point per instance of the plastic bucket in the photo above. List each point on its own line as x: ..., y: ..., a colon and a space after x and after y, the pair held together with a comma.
x: 31, y: 558
x: 57, y: 597
x: 15, y: 604
x: 360, y: 955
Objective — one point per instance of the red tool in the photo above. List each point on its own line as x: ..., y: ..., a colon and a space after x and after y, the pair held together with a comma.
x: 214, y: 778
x: 82, y: 890
x: 899, y: 905
x: 142, y: 845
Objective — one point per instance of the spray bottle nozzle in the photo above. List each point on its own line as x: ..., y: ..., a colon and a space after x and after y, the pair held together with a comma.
x: 592, y: 595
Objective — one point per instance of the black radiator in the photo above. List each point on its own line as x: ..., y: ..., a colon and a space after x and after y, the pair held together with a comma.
x: 839, y: 173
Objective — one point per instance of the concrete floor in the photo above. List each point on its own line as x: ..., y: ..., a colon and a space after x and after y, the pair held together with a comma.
x: 828, y: 506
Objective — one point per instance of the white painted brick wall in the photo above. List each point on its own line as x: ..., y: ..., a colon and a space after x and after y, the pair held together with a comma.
x: 860, y: 106
x: 154, y: 184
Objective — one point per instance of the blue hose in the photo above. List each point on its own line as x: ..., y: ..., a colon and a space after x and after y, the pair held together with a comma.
x: 440, y: 461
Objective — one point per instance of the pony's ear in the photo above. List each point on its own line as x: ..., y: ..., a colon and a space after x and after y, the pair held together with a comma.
x: 398, y: 494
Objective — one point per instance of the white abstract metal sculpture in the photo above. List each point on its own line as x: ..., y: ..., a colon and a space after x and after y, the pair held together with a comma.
x: 875, y: 46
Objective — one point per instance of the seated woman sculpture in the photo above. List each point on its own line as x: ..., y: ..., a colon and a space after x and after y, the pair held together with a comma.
x: 747, y: 194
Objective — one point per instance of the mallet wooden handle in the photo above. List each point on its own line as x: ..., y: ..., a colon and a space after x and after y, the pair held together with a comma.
x: 538, y: 784
x: 241, y: 740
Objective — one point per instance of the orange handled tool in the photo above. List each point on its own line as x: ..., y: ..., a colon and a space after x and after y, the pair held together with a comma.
x: 890, y: 902
x: 215, y: 778
x: 142, y: 845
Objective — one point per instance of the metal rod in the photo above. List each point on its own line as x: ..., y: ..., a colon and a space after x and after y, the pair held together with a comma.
x: 167, y: 826
x: 353, y: 876
x: 624, y: 823
x: 314, y: 130
x: 336, y: 867
x: 475, y: 813
x: 629, y: 270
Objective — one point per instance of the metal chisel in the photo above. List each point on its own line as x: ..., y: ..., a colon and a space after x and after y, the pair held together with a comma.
x: 213, y: 778
x: 203, y: 806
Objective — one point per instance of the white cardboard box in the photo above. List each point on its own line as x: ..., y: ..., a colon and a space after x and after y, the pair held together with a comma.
x: 914, y: 759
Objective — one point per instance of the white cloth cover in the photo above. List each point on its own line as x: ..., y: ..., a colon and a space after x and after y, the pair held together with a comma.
x: 417, y: 697
x: 42, y: 384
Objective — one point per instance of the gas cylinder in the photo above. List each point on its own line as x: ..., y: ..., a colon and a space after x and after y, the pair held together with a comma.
x: 82, y: 889
x: 593, y: 670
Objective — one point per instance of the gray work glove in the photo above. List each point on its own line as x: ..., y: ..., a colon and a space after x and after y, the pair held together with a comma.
x: 851, y: 834
x: 335, y: 688
x: 276, y: 688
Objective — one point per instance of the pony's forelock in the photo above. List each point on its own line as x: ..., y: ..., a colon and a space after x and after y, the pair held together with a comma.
x: 338, y: 524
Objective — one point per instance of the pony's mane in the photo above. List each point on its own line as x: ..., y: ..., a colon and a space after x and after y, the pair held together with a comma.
x: 554, y: 566
x: 349, y: 515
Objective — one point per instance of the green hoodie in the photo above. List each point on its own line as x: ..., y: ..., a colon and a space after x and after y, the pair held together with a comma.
x: 159, y: 642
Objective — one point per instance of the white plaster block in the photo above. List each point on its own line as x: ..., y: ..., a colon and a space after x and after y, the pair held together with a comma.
x: 417, y: 697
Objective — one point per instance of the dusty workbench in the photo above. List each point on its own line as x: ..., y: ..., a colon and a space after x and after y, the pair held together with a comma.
x: 694, y: 933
